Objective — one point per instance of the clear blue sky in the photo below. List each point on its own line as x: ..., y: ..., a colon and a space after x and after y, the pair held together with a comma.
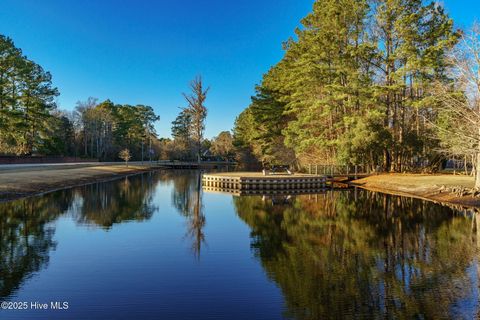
x: 146, y: 51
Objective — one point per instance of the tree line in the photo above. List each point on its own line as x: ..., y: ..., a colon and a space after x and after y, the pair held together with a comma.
x: 32, y: 124
x: 102, y: 130
x: 359, y: 84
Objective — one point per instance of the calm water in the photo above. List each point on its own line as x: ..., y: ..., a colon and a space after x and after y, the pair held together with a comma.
x: 155, y: 246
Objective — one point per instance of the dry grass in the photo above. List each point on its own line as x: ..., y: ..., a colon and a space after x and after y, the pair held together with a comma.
x: 15, y: 184
x: 422, y: 186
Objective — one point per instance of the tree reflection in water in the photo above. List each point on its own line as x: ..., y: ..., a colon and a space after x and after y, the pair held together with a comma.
x: 26, y: 237
x: 106, y: 204
x: 334, y: 255
x: 187, y: 199
x: 364, y: 255
x: 27, y: 228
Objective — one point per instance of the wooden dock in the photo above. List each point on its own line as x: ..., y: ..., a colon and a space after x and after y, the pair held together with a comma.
x: 193, y: 164
x: 243, y: 181
x: 340, y: 172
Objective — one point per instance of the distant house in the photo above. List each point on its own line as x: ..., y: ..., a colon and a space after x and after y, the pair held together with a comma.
x: 207, y: 155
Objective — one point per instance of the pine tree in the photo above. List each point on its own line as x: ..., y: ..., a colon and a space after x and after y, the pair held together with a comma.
x: 353, y: 86
x: 26, y: 100
x: 413, y: 40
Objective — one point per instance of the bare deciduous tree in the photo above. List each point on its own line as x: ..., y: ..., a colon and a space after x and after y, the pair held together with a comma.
x: 459, y: 120
x: 198, y: 112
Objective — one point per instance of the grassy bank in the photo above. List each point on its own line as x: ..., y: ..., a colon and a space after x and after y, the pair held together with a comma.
x: 17, y: 184
x: 431, y: 187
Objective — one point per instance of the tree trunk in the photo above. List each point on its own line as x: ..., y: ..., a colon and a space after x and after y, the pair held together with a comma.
x: 477, y: 172
x: 386, y: 160
x: 85, y: 141
x: 199, y: 149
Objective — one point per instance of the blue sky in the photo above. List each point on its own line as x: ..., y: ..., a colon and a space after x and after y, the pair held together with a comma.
x: 146, y: 51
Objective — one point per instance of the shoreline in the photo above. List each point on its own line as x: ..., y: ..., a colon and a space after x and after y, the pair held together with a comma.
x: 24, y: 184
x: 37, y: 181
x: 422, y: 186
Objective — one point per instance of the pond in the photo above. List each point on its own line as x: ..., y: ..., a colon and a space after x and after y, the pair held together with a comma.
x: 155, y: 246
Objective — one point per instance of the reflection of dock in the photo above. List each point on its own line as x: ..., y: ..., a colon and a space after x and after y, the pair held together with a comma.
x: 257, y: 183
x: 268, y: 192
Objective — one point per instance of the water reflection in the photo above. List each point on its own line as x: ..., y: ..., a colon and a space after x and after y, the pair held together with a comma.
x: 377, y: 257
x: 26, y: 237
x: 336, y: 254
x: 106, y: 204
x: 187, y: 196
x: 27, y: 225
x: 27, y: 228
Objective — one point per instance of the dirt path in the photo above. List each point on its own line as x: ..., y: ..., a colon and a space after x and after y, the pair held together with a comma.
x: 430, y: 187
x: 16, y: 184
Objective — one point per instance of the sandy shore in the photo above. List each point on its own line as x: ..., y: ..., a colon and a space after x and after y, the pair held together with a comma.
x: 429, y: 187
x: 21, y: 183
